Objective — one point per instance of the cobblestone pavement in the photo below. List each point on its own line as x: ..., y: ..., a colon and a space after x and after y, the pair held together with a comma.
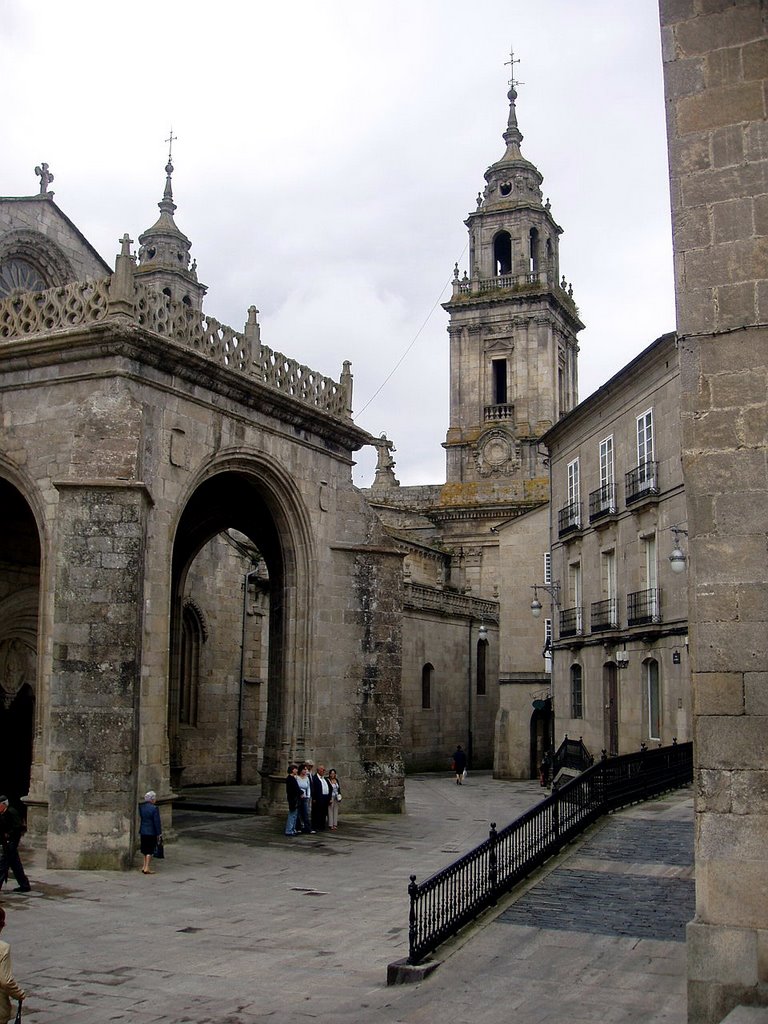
x: 241, y: 925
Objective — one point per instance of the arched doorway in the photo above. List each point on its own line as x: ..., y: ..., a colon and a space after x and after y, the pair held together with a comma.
x: 542, y: 733
x: 236, y: 710
x: 19, y: 604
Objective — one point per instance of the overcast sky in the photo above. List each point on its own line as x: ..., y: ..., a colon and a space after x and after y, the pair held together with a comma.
x: 328, y: 153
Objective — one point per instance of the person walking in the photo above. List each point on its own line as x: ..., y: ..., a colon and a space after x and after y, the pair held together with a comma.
x: 9, y: 988
x: 150, y: 830
x: 12, y: 828
x: 292, y: 795
x: 459, y: 764
x: 333, y: 803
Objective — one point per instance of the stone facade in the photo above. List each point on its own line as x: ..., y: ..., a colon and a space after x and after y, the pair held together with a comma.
x: 134, y: 431
x: 620, y: 673
x: 715, y: 64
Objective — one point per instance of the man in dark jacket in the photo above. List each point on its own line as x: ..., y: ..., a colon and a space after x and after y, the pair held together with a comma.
x: 292, y: 795
x: 11, y: 831
x: 459, y: 764
x: 321, y: 796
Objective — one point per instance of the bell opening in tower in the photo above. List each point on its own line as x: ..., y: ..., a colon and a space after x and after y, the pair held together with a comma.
x: 502, y: 253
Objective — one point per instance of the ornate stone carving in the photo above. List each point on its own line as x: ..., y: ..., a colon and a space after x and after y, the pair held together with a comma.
x: 497, y: 453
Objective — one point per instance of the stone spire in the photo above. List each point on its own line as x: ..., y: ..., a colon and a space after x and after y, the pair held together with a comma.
x: 164, y: 252
x: 513, y: 177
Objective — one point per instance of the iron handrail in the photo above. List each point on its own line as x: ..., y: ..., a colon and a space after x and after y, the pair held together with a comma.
x: 446, y: 901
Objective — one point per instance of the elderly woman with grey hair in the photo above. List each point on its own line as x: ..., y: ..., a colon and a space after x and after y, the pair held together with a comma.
x: 150, y: 830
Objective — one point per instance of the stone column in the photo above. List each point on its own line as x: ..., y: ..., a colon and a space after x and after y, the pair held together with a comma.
x: 93, y: 714
x: 716, y: 55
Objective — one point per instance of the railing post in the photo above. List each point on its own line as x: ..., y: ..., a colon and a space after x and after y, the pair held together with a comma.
x: 493, y: 863
x: 412, y: 890
x: 556, y: 816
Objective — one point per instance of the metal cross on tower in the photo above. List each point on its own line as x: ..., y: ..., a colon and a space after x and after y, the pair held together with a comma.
x: 514, y: 82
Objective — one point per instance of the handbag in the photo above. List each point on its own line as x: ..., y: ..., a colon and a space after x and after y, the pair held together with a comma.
x: 159, y: 850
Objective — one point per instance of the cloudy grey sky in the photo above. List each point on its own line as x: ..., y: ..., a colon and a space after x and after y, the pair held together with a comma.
x: 328, y: 153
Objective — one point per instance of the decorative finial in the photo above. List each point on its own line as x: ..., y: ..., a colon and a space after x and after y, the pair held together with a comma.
x: 45, y: 177
x: 125, y: 245
x: 167, y: 205
x: 513, y: 82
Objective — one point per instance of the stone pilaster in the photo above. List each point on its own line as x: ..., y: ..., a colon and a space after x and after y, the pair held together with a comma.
x: 93, y: 737
x: 716, y: 56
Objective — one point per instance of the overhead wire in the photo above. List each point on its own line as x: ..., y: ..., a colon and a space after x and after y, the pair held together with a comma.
x: 415, y: 338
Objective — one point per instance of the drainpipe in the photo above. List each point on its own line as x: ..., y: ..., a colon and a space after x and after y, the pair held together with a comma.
x: 469, y: 695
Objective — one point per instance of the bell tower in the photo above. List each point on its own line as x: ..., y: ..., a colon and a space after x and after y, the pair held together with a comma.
x: 513, y: 327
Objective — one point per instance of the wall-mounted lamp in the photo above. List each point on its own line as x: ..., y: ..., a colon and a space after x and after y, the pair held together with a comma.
x: 675, y: 657
x: 482, y: 634
x: 553, y: 589
x: 622, y: 659
x: 677, y: 559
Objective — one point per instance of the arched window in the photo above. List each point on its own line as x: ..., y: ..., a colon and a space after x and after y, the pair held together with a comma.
x: 534, y: 236
x: 502, y: 253
x: 577, y: 691
x: 653, y: 699
x: 426, y: 686
x: 192, y: 638
x: 482, y: 647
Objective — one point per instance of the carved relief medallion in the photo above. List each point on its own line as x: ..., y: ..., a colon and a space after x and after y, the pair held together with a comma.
x: 497, y: 453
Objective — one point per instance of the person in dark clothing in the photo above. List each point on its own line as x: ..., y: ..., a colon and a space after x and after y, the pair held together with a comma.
x: 459, y: 764
x: 150, y: 830
x: 292, y: 795
x: 11, y: 830
x: 321, y: 797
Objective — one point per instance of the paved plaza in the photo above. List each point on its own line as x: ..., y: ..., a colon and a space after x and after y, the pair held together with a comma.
x: 243, y: 925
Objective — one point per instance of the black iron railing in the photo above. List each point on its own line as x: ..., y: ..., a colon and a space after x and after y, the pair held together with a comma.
x: 441, y: 905
x: 569, y: 518
x: 571, y: 754
x: 604, y: 615
x: 641, y: 482
x: 570, y: 622
x: 602, y: 503
x: 644, y: 607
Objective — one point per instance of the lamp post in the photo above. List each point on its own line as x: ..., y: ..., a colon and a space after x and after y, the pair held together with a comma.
x: 553, y: 589
x: 677, y: 560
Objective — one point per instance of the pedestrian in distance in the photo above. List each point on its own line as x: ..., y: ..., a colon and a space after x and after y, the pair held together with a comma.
x: 12, y: 828
x: 459, y: 764
x: 9, y: 988
x: 292, y: 795
x: 333, y: 803
x: 150, y: 830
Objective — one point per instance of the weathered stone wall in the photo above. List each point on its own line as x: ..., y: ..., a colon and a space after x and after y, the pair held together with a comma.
x: 715, y: 61
x: 37, y: 228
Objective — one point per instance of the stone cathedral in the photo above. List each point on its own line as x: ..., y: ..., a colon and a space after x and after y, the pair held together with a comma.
x: 190, y: 584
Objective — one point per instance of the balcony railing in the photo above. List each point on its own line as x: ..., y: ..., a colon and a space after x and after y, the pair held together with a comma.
x: 641, y: 482
x: 604, y: 615
x: 643, y: 607
x: 570, y: 622
x: 602, y: 503
x: 502, y: 411
x: 569, y: 519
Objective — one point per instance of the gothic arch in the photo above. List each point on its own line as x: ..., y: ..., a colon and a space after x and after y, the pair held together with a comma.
x: 249, y: 493
x: 43, y: 260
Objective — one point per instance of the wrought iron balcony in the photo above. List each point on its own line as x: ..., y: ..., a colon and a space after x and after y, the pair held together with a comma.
x: 570, y: 622
x: 642, y: 482
x: 644, y: 607
x: 569, y: 519
x: 602, y: 503
x: 504, y: 411
x: 604, y: 615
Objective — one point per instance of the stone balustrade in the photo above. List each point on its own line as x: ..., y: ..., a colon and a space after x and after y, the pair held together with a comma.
x: 449, y: 602
x: 83, y: 303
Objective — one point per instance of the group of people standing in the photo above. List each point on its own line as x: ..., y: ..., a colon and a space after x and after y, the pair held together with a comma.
x: 313, y: 799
